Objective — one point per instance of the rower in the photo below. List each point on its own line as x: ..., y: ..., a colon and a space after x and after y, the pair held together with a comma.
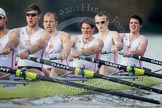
x: 111, y: 40
x: 29, y: 40
x: 133, y: 43
x: 86, y: 44
x: 6, y: 59
x: 59, y: 45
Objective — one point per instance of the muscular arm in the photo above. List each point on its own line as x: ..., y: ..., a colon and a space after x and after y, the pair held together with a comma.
x: 13, y: 39
x: 12, y: 42
x: 66, y: 42
x: 40, y: 43
x: 141, y: 47
x: 96, y: 48
x: 73, y: 41
x: 117, y: 42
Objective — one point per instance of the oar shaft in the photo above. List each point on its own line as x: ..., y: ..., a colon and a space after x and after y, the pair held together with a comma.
x: 127, y: 83
x: 92, y: 74
x: 100, y: 90
x: 153, y: 61
x: 125, y: 68
x: 53, y: 64
x: 86, y: 87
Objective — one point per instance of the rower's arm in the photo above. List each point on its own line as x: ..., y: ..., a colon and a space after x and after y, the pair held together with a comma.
x: 66, y: 42
x: 141, y: 47
x: 96, y: 48
x: 14, y: 38
x: 117, y: 42
x: 40, y: 43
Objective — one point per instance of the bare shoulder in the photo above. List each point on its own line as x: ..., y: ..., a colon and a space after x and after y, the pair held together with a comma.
x: 114, y: 32
x: 74, y: 38
x: 143, y: 38
x: 16, y: 30
x: 65, y: 35
x: 45, y: 35
x: 122, y: 35
x: 99, y: 42
x: 14, y: 33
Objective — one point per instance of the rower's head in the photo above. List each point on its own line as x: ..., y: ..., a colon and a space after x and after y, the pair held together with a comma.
x: 135, y: 23
x: 33, y: 14
x: 87, y: 27
x: 101, y: 21
x: 3, y: 19
x: 50, y: 22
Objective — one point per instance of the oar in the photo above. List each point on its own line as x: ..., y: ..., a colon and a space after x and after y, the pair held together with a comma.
x: 126, y: 68
x: 89, y: 73
x: 106, y: 52
x: 27, y: 74
x: 149, y: 60
x: 57, y: 57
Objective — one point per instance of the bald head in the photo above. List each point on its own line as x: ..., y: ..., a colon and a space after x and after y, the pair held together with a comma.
x: 50, y: 22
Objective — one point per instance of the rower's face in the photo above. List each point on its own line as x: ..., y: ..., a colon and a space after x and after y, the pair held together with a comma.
x: 134, y: 25
x: 49, y: 22
x: 87, y: 30
x: 32, y: 18
x: 2, y: 22
x: 101, y: 23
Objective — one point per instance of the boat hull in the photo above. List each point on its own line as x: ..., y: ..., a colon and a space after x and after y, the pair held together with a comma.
x: 39, y: 89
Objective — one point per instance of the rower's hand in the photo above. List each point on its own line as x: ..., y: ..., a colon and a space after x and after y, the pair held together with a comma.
x: 75, y: 54
x: 127, y: 54
x: 114, y: 49
x: 24, y: 54
x: 63, y: 55
x: 6, y: 50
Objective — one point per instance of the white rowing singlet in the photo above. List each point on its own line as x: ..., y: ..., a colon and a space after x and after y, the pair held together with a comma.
x: 26, y: 41
x: 130, y: 46
x: 83, y: 63
x: 53, y: 49
x: 10, y: 59
x: 107, y: 47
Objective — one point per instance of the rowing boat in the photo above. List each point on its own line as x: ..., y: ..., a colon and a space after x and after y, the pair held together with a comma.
x: 39, y: 89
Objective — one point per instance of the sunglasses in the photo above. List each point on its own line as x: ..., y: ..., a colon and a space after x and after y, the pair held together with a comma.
x: 102, y: 22
x: 1, y: 17
x: 31, y: 14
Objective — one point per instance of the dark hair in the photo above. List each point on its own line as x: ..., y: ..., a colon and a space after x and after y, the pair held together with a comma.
x: 33, y: 7
x: 89, y: 21
x: 138, y: 18
x: 100, y: 14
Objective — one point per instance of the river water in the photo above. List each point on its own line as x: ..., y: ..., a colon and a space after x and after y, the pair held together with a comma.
x: 154, y: 51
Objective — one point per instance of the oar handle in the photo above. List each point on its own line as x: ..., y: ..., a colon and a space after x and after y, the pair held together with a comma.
x: 57, y: 57
x: 106, y: 52
x: 86, y: 58
x: 1, y: 52
x: 19, y: 72
x: 86, y: 72
x: 121, y: 52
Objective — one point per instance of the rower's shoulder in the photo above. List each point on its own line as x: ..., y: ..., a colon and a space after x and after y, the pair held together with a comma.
x: 99, y: 42
x: 143, y: 38
x: 64, y: 34
x: 74, y: 39
x: 122, y: 35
